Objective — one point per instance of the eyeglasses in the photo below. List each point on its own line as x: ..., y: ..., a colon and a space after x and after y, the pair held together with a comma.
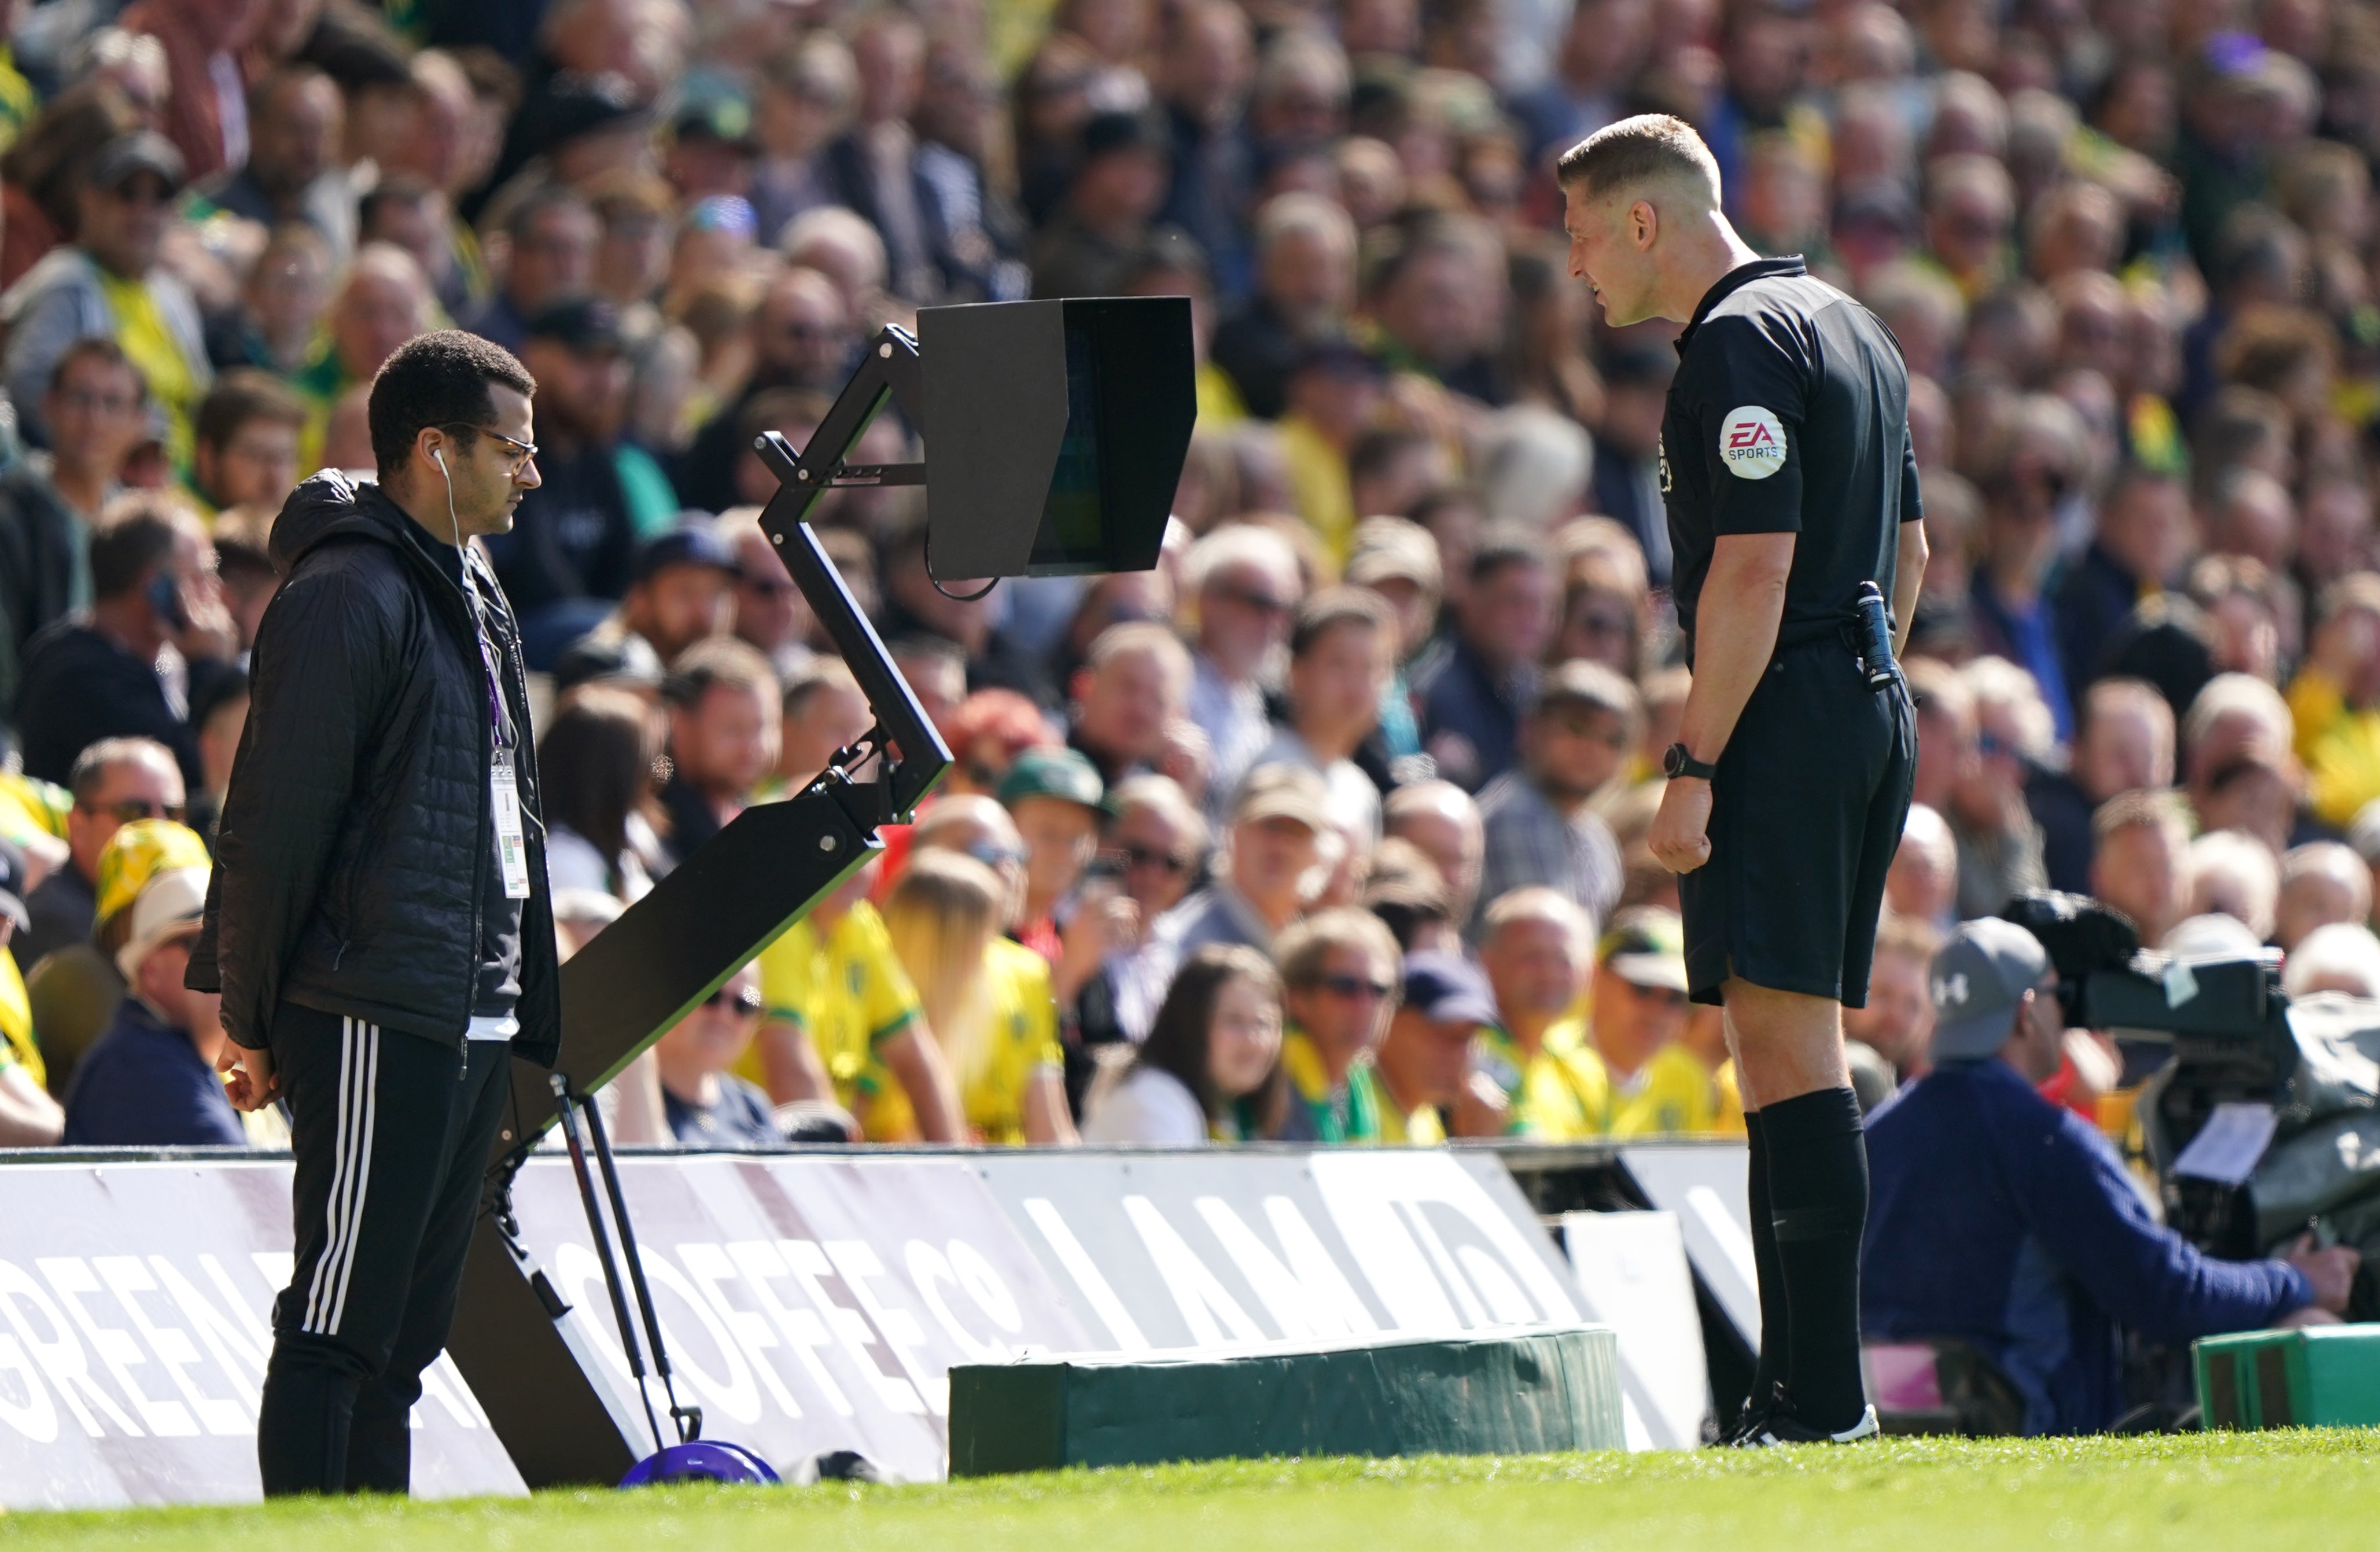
x: 134, y: 809
x: 524, y: 452
x: 744, y: 1000
x: 1352, y: 988
x: 1148, y: 857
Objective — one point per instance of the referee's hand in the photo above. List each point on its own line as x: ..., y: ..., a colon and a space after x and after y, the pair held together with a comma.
x: 1681, y: 837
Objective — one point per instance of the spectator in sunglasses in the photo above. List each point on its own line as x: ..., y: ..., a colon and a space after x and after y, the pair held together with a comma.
x: 708, y: 1106
x: 113, y: 782
x: 1156, y: 848
x: 76, y: 990
x: 1162, y: 838
x: 1341, y: 971
x: 769, y: 613
x: 124, y: 208
x: 2025, y: 518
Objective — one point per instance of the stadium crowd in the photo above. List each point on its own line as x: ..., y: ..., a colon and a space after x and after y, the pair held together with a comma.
x: 1333, y: 827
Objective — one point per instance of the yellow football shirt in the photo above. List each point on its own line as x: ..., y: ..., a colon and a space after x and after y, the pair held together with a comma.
x: 1020, y: 1037
x: 1023, y: 1040
x: 847, y: 992
x: 17, y: 1023
x: 1678, y: 1094
x: 141, y: 330
x: 1562, y: 1095
x: 1422, y: 1129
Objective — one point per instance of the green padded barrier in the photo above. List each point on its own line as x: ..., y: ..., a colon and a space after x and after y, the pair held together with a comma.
x: 1522, y: 1391
x: 2323, y: 1376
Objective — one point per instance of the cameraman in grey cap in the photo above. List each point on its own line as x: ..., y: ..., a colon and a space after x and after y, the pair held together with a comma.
x: 2009, y: 1223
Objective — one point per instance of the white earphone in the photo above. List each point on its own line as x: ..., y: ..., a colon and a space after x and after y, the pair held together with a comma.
x: 438, y: 457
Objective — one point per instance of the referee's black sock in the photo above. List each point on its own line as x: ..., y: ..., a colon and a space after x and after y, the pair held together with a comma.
x: 1769, y: 1366
x: 1817, y: 1198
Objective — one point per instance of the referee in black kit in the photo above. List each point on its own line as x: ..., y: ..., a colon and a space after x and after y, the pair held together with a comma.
x: 379, y: 922
x: 1790, y: 482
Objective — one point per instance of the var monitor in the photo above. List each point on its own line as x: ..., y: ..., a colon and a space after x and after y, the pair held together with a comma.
x: 1054, y: 432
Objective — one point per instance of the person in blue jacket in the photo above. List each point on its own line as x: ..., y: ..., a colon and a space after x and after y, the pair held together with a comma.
x: 150, y: 1081
x: 2009, y: 1223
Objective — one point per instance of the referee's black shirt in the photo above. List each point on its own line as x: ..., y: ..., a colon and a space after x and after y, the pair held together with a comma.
x: 1789, y: 414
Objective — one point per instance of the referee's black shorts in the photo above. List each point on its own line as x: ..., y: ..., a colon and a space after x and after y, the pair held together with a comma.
x: 1806, y: 810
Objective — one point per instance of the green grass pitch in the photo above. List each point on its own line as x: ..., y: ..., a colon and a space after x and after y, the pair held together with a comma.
x: 2202, y: 1491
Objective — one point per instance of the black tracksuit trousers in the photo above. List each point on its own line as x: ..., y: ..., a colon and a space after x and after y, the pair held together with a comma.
x: 392, y: 1135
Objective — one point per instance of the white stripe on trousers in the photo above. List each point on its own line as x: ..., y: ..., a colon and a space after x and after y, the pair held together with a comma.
x: 326, y: 1299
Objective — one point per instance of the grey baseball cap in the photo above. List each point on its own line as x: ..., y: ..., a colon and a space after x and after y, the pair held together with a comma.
x: 1979, y: 978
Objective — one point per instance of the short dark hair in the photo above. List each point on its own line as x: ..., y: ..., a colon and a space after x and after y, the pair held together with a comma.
x: 437, y: 379
x: 134, y: 537
x: 242, y: 395
x: 551, y: 196
x: 402, y: 188
x: 97, y: 347
x: 1640, y: 149
x: 718, y: 660
x: 1335, y: 607
x: 1507, y: 544
x: 287, y: 76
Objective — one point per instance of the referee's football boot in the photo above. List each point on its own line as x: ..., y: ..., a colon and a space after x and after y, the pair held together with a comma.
x: 1782, y: 1423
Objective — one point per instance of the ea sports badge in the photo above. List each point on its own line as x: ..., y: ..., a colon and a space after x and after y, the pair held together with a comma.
x: 1751, y: 443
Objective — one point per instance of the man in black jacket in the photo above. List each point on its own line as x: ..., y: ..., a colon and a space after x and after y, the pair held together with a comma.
x: 378, y: 923
x: 106, y: 674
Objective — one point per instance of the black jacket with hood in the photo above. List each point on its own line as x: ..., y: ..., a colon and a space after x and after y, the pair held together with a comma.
x: 353, y: 840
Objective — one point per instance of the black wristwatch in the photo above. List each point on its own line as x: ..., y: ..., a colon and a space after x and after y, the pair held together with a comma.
x: 1676, y: 761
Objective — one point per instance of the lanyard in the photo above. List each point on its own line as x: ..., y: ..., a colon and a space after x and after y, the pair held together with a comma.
x: 487, y: 656
x: 504, y: 797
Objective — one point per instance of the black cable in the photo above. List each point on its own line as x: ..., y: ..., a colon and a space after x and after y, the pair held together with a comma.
x: 570, y: 1136
x: 636, y: 1265
x: 953, y: 597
